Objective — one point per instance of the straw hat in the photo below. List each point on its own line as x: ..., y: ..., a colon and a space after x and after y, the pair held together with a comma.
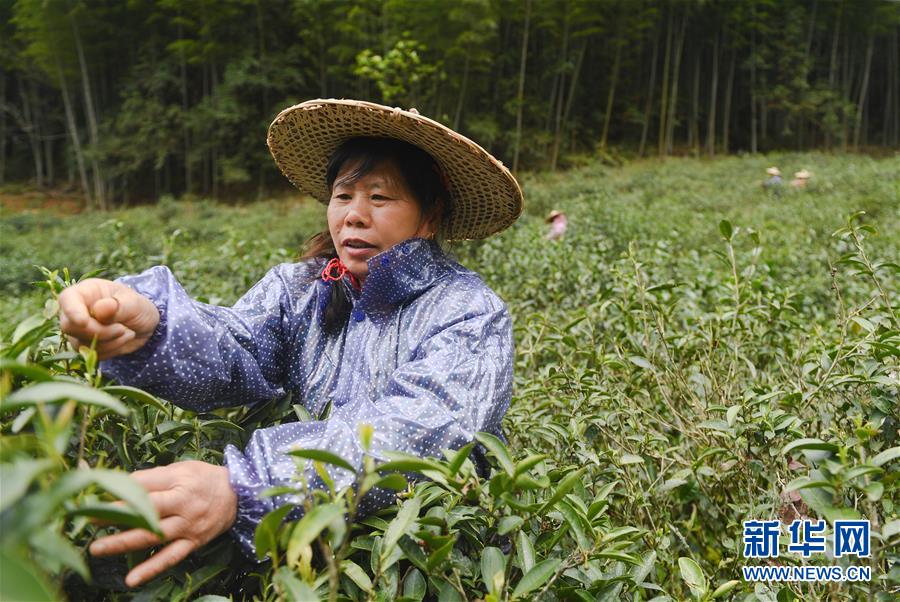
x: 553, y: 215
x: 773, y: 171
x: 486, y: 197
x: 802, y: 175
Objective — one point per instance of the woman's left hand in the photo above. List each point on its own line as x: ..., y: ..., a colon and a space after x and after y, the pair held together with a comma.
x: 195, y: 503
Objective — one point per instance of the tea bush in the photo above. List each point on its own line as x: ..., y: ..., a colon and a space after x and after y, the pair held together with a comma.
x: 693, y: 354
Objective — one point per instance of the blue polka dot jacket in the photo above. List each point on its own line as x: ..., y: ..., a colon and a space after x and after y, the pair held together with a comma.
x: 425, y: 358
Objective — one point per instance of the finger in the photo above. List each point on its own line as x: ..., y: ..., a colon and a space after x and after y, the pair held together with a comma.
x: 136, y: 539
x: 160, y: 478
x: 104, y: 310
x: 113, y: 348
x: 73, y: 307
x: 160, y: 562
x: 167, y: 502
x: 92, y: 329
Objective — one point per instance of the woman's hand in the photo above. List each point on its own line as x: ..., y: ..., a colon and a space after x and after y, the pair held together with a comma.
x: 119, y: 318
x: 195, y: 503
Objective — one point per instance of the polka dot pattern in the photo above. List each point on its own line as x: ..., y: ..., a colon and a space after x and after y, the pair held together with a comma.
x: 426, y: 359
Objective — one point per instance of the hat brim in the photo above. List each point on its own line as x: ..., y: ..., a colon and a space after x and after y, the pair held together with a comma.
x: 486, y: 197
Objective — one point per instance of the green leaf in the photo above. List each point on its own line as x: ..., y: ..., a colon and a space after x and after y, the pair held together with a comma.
x: 525, y: 551
x: 401, y: 462
x: 726, y: 229
x: 639, y: 572
x: 529, y: 462
x: 118, y: 483
x: 459, y: 457
x: 401, y: 524
x: 693, y: 576
x: 890, y: 529
x: 537, y: 576
x: 641, y: 362
x: 322, y: 455
x: 52, y: 392
x: 50, y: 545
x: 113, y: 514
x: 874, y: 490
x: 886, y: 456
x: 436, y: 558
x: 563, y: 488
x: 804, y: 444
x: 413, y: 552
x: 292, y: 588
x: 265, y: 538
x: 309, y: 527
x: 508, y: 523
x: 136, y: 395
x: 357, y: 575
x: 448, y: 593
x: 493, y: 563
x: 20, y: 581
x: 17, y: 477
x: 498, y: 450
x: 577, y: 526
x: 32, y: 372
x: 731, y: 414
x: 725, y: 588
x: 414, y: 586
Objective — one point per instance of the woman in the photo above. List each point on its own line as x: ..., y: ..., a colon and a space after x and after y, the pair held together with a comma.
x: 375, y: 323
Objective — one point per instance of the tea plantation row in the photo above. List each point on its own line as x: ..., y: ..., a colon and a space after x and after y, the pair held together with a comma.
x: 695, y: 352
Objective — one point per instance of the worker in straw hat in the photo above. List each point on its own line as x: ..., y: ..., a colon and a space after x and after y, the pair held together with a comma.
x: 374, y: 318
x: 773, y: 183
x: 801, y: 179
x: 558, y: 224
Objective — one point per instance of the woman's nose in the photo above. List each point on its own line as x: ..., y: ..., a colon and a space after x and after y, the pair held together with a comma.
x: 357, y: 211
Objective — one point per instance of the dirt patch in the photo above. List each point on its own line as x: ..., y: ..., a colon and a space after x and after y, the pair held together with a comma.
x: 57, y: 202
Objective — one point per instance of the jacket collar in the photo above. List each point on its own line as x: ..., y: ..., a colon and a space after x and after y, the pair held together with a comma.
x: 401, y: 274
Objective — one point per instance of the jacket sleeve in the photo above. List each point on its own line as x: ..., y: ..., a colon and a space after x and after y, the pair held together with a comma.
x: 457, y: 383
x: 204, y: 356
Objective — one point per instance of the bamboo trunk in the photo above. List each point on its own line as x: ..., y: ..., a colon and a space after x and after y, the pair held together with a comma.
x: 612, y: 94
x: 863, y: 89
x: 93, y: 130
x: 648, y: 104
x: 673, y: 95
x: 753, y: 98
x: 76, y: 139
x: 185, y: 131
x: 694, y: 129
x: 29, y: 124
x: 457, y: 115
x: 726, y: 110
x: 713, y: 93
x: 520, y: 91
x: 563, y: 59
x: 664, y: 97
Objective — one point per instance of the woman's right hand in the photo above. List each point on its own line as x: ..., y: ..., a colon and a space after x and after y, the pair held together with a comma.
x: 120, y: 319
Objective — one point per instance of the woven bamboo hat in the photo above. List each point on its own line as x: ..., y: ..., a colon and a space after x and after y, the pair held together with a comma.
x: 802, y: 175
x: 773, y: 171
x: 486, y: 197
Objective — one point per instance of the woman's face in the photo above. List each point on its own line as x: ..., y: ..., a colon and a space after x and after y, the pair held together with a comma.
x: 372, y: 214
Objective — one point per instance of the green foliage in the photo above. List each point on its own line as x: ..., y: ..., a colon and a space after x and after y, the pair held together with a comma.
x: 694, y: 353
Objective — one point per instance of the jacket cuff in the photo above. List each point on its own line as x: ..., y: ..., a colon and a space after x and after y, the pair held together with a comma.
x: 247, y: 486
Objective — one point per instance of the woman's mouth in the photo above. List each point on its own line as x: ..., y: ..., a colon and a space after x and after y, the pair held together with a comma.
x: 357, y: 247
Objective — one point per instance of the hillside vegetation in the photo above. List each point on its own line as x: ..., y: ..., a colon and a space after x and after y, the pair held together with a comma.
x: 694, y: 353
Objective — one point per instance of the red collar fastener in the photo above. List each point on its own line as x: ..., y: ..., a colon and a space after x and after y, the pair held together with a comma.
x: 335, y: 270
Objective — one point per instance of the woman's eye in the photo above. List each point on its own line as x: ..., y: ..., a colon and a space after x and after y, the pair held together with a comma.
x: 342, y: 196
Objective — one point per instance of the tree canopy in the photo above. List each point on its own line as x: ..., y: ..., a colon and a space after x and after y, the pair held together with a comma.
x: 131, y: 100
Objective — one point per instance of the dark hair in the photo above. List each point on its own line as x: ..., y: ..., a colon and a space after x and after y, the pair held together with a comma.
x: 420, y: 173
